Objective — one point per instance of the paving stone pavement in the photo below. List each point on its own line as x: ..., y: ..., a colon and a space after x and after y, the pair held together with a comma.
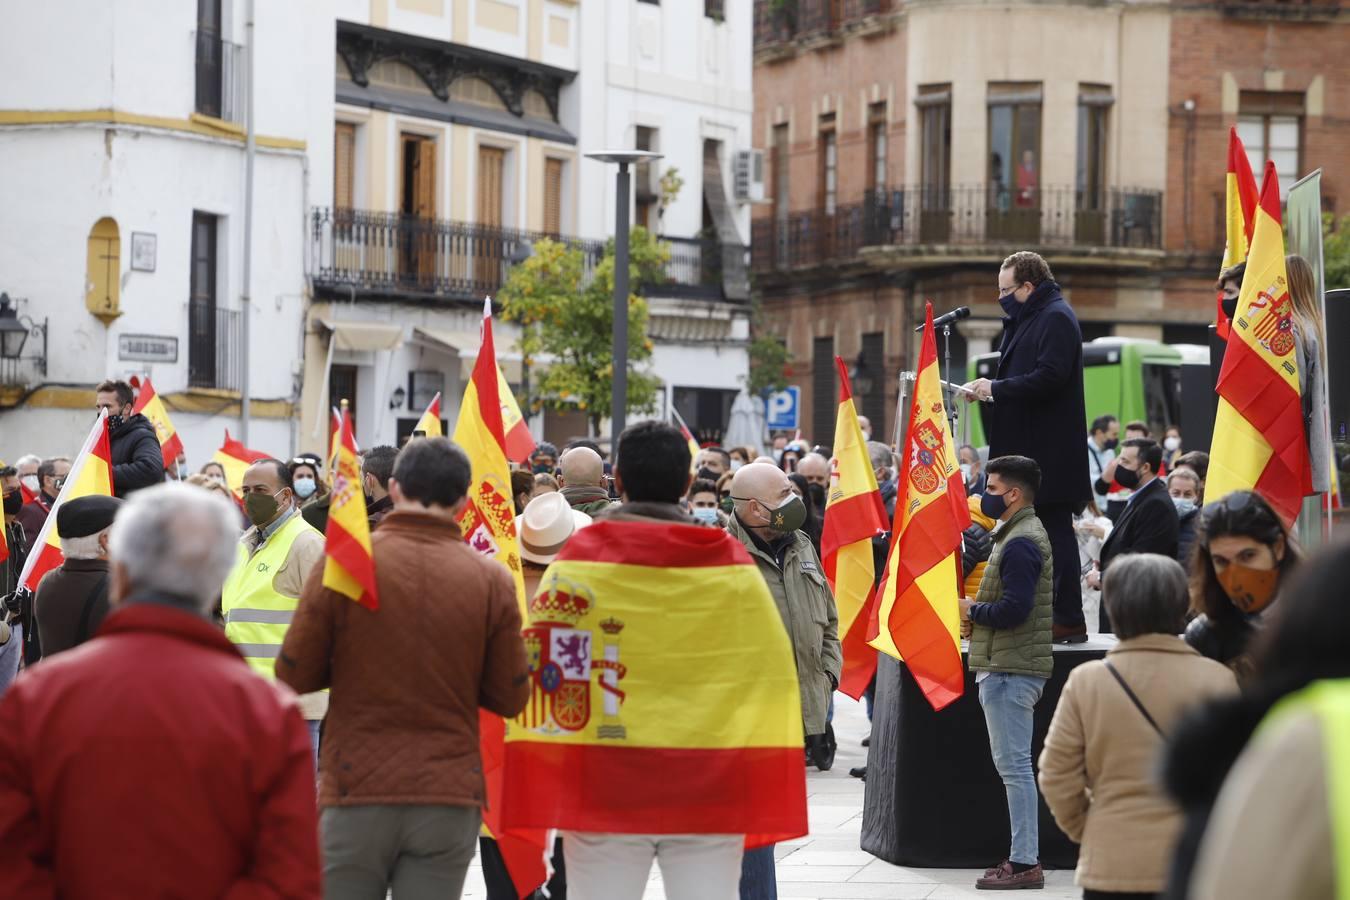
x: 828, y: 863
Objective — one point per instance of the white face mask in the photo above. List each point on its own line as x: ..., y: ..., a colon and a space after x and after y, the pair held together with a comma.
x: 736, y: 464
x: 1172, y: 444
x: 965, y: 472
x: 31, y: 482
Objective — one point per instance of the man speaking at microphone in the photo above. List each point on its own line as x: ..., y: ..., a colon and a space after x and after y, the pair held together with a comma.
x: 1038, y: 412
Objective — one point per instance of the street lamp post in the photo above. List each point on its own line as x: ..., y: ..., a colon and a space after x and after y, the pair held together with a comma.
x: 623, y: 190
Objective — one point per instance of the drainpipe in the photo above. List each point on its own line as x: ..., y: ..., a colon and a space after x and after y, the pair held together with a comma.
x: 246, y: 298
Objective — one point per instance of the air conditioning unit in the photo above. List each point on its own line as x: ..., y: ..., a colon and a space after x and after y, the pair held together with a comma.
x: 749, y: 176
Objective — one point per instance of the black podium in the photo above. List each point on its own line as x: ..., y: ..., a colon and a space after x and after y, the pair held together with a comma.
x: 933, y: 797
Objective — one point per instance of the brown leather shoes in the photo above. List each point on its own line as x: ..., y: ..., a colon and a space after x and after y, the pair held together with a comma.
x: 1068, y: 634
x: 1002, y: 878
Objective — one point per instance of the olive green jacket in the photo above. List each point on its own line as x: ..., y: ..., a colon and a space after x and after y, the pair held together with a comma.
x: 1025, y: 649
x: 803, y: 598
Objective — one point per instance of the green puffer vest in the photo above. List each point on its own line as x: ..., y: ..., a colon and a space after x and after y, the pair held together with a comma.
x: 1024, y: 650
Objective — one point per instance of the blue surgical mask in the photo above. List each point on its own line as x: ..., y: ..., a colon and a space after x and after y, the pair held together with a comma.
x: 1184, y: 507
x: 993, y: 505
x: 304, y: 488
x: 706, y: 514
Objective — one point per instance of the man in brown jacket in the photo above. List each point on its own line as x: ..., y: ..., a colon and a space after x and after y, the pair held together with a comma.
x: 401, y: 783
x: 72, y: 599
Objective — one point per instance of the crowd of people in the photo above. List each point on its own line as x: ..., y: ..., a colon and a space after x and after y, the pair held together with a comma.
x: 151, y: 655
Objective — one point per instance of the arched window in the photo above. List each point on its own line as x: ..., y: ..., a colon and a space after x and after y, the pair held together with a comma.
x: 103, y: 279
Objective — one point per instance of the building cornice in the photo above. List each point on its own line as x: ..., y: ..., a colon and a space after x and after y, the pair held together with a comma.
x: 197, y: 125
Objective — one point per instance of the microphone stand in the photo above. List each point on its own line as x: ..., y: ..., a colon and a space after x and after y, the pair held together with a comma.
x: 952, y: 413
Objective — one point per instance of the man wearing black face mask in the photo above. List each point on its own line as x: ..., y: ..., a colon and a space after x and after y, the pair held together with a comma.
x: 274, y: 558
x: 1038, y: 412
x: 767, y: 520
x: 137, y: 459
x: 10, y: 569
x: 1149, y: 522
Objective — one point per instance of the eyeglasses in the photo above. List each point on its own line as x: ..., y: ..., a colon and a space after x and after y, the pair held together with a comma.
x: 1003, y: 292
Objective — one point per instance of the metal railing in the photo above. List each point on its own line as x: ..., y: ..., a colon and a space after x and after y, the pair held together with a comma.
x: 781, y: 21
x: 991, y: 215
x: 393, y: 253
x: 221, y: 70
x: 214, y: 347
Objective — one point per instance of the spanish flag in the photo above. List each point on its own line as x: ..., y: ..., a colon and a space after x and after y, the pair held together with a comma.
x: 4, y: 537
x: 488, y: 525
x: 666, y: 695
x: 430, y: 423
x: 1259, y: 443
x: 519, y: 442
x: 235, y: 459
x: 854, y: 514
x: 90, y: 474
x: 1239, y: 217
x: 688, y: 437
x: 349, y: 566
x: 918, y: 619
x: 151, y: 406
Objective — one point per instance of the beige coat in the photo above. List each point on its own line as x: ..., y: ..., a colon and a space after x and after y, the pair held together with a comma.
x: 1098, y: 771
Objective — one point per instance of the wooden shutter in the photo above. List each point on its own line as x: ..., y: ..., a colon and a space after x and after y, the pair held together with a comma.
x: 424, y: 179
x: 491, y: 162
x: 553, y: 185
x: 344, y: 165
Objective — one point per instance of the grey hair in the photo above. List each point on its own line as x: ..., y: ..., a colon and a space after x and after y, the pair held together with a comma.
x: 28, y: 459
x: 83, y: 547
x: 176, y: 540
x: 880, y: 455
x: 1145, y: 593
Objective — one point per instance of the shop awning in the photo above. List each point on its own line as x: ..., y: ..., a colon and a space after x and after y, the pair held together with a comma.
x: 465, y: 344
x: 363, y: 336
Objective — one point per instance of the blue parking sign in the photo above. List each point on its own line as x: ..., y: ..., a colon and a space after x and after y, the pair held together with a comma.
x: 782, y: 409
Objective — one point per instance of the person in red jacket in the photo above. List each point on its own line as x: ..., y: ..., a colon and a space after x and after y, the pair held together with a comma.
x: 151, y: 761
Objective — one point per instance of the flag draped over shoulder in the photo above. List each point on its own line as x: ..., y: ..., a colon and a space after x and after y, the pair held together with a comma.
x: 349, y: 565
x: 1239, y: 216
x: 431, y: 419
x: 665, y: 693
x: 90, y: 475
x: 918, y: 618
x: 854, y: 514
x: 488, y: 525
x: 1259, y: 443
x: 235, y: 459
x: 149, y: 404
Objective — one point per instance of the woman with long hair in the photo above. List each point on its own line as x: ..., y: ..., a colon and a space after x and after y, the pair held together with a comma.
x: 1243, y: 552
x: 1310, y: 340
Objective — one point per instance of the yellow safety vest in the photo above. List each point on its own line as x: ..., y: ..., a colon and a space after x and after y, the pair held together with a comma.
x: 256, y: 616
x: 1330, y: 701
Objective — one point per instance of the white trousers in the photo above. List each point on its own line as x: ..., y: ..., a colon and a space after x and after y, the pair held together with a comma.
x: 616, y: 866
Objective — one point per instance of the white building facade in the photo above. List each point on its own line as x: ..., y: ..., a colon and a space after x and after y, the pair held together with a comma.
x: 122, y: 165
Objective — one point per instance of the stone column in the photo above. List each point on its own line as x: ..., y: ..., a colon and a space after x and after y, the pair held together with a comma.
x: 979, y: 334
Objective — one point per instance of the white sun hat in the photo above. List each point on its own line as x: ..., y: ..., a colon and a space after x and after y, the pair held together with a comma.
x: 545, y: 525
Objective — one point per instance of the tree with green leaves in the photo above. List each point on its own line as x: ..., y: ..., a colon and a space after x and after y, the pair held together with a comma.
x: 569, y: 319
x: 1335, y: 252
x: 768, y: 356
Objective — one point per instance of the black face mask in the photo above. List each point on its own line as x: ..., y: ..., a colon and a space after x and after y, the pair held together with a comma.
x: 817, y: 492
x: 1229, y: 306
x: 1127, y: 478
x: 1111, y: 444
x: 708, y: 474
x: 13, y: 502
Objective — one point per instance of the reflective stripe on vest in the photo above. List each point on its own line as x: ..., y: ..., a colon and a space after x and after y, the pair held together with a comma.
x: 1330, y: 702
x: 256, y: 616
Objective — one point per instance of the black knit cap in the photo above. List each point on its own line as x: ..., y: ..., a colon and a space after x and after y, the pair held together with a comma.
x: 84, y: 516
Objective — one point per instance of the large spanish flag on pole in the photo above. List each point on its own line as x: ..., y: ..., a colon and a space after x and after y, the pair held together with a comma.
x: 519, y: 442
x: 488, y: 525
x: 151, y: 406
x: 918, y: 619
x: 665, y: 693
x: 349, y: 565
x: 1239, y: 216
x: 430, y: 423
x: 1259, y: 443
x: 854, y: 514
x: 90, y: 474
x: 235, y: 459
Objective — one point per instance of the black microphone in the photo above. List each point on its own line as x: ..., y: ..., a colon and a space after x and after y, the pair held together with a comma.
x: 961, y: 312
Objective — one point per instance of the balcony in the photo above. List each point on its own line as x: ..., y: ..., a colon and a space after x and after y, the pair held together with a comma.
x: 780, y: 23
x: 215, y: 349
x: 402, y: 257
x: 970, y: 216
x: 221, y: 72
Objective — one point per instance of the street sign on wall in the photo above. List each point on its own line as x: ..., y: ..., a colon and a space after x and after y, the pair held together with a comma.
x: 147, y: 348
x: 782, y: 409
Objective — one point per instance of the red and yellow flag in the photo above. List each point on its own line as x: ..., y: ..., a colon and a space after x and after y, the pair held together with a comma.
x: 151, y: 406
x: 918, y: 618
x: 688, y: 437
x: 519, y: 442
x: 1239, y: 218
x: 430, y: 423
x: 235, y: 459
x: 1259, y: 443
x: 349, y: 565
x: 854, y: 514
x: 665, y: 692
x: 488, y: 525
x: 90, y: 474
x: 4, y: 532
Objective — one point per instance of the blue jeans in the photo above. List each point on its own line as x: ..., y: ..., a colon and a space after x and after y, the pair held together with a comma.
x: 314, y: 726
x: 759, y: 878
x: 1008, y: 701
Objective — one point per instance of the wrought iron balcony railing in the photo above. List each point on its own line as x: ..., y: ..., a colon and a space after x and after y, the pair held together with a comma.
x: 215, y: 350
x: 779, y: 22
x: 980, y: 215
